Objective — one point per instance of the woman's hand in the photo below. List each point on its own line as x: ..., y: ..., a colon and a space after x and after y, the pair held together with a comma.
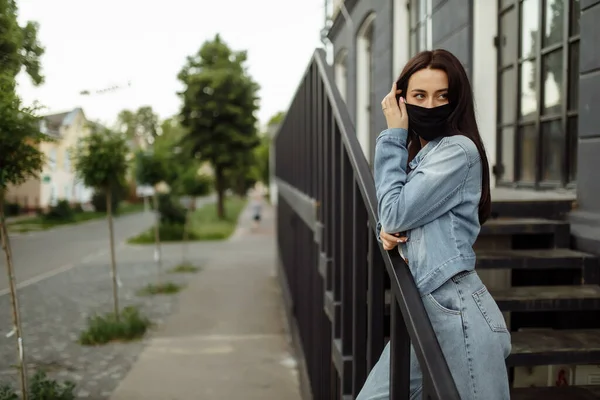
x: 395, y: 114
x: 391, y: 240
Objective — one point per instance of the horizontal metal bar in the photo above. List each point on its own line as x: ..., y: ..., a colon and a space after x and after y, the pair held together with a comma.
x: 303, y: 205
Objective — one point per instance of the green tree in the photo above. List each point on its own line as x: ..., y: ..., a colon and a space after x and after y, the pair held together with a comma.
x: 219, y: 102
x: 20, y: 157
x: 19, y: 46
x: 168, y: 144
x: 141, y: 125
x: 261, y: 155
x: 276, y: 119
x: 101, y: 163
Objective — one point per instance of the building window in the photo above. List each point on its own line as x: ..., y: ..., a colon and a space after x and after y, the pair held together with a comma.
x: 364, y: 84
x: 538, y: 82
x: 67, y: 162
x: 52, y: 160
x: 420, y: 25
x: 341, y: 72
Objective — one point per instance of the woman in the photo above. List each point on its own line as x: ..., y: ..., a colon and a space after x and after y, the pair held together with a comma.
x: 257, y: 196
x: 433, y: 192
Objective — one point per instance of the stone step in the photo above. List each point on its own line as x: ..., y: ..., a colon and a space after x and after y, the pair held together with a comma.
x: 548, y: 298
x: 521, y: 226
x: 540, y: 298
x: 535, y: 259
x: 532, y: 207
x: 547, y: 347
x: 591, y: 392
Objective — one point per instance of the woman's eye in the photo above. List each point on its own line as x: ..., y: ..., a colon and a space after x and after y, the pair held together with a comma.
x: 419, y: 96
x: 444, y: 96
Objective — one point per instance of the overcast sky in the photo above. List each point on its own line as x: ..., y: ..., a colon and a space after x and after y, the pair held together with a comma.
x: 94, y: 44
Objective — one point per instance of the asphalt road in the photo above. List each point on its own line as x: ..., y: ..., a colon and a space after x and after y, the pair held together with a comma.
x: 38, y: 255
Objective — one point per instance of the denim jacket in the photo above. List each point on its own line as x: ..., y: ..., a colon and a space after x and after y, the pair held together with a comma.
x: 436, y: 204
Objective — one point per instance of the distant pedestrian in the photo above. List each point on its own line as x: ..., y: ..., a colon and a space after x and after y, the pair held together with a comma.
x: 256, y: 203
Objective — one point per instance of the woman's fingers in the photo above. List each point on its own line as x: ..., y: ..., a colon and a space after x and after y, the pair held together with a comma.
x: 403, y: 107
x: 395, y: 238
x: 390, y: 241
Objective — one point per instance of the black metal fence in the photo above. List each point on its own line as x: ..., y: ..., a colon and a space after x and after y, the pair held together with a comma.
x: 333, y: 270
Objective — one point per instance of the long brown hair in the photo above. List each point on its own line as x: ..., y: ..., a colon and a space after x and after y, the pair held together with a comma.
x: 462, y: 120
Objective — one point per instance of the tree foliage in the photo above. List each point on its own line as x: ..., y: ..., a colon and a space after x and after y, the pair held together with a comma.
x: 276, y: 119
x: 151, y: 168
x: 193, y: 184
x: 20, y: 137
x: 140, y: 125
x: 19, y: 46
x: 261, y: 155
x: 101, y: 159
x: 219, y: 102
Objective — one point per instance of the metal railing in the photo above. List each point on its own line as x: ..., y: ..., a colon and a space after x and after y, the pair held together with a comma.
x: 333, y: 270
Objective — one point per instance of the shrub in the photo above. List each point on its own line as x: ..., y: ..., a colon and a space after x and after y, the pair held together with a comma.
x: 168, y: 233
x: 42, y: 388
x: 161, y: 288
x: 99, y: 202
x: 7, y: 393
x: 184, y: 268
x: 99, y: 198
x: 171, y: 212
x: 103, y: 329
x: 12, y: 209
x: 62, y: 211
x: 78, y: 208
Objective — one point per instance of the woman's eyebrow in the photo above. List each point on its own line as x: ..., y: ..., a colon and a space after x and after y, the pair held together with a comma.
x: 424, y: 91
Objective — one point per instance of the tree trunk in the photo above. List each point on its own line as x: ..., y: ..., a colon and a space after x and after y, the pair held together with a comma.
x: 157, y: 255
x: 220, y: 185
x: 113, y: 264
x: 14, y: 301
x: 186, y: 227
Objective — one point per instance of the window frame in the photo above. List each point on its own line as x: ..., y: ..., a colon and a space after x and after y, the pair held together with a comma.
x: 566, y: 114
x: 414, y: 17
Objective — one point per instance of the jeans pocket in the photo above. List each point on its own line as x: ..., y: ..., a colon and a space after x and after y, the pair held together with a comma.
x: 446, y: 299
x: 488, y: 307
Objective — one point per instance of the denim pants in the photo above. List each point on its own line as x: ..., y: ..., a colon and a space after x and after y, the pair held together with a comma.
x: 474, y: 339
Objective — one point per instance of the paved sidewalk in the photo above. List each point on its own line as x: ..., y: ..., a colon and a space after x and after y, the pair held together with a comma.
x: 227, y: 340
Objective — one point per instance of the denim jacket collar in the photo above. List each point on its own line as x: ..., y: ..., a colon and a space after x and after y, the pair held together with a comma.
x: 423, y: 152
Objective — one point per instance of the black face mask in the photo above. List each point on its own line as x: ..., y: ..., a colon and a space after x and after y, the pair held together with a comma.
x: 429, y: 123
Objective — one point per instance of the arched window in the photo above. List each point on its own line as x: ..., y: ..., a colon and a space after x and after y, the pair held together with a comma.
x: 364, y: 77
x: 341, y: 72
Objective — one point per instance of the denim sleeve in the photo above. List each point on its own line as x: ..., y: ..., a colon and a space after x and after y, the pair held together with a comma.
x: 432, y: 191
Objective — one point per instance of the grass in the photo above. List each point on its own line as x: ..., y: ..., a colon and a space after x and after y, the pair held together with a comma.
x: 184, y: 268
x: 106, y: 328
x: 205, y: 225
x: 39, y: 223
x: 162, y: 288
